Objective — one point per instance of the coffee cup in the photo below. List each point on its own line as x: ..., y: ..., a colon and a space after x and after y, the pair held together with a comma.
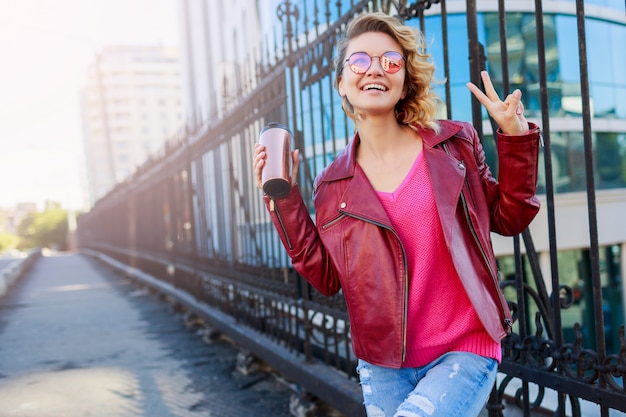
x: 276, y: 174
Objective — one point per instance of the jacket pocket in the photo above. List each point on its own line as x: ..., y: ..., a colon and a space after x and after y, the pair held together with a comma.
x: 332, y: 222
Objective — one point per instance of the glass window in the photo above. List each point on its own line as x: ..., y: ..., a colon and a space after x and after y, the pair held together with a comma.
x: 610, y: 275
x: 523, y: 62
x: 575, y: 274
x: 568, y: 161
x: 607, y: 90
x: 506, y: 266
x: 610, y: 162
x: 601, y: 76
x: 459, y: 75
x: 617, y: 39
x: 607, y: 80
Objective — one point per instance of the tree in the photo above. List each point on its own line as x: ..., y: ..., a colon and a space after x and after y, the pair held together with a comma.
x: 7, y: 241
x: 47, y: 229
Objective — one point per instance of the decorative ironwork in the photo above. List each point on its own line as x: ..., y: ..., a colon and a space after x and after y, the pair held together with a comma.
x: 416, y: 9
x: 286, y: 13
x: 317, y: 62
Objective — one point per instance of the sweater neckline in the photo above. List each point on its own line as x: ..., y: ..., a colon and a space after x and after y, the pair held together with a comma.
x: 392, y: 196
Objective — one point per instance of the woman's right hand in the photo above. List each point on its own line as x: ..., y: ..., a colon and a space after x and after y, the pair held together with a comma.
x: 508, y: 114
x: 259, y: 162
x: 260, y: 157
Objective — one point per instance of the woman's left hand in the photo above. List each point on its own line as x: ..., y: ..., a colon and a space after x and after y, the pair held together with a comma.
x: 508, y: 114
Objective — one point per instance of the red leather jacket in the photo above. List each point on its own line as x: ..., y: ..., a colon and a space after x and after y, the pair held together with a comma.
x: 353, y: 247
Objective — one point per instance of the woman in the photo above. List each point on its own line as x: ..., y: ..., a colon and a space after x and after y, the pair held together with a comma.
x: 403, y: 222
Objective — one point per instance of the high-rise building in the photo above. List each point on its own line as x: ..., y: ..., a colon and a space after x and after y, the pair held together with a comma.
x: 11, y: 218
x: 132, y: 104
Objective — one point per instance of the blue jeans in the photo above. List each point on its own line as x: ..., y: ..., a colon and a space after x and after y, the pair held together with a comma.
x: 457, y: 384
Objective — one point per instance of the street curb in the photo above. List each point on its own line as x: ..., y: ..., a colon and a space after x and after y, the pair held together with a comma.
x: 17, y: 268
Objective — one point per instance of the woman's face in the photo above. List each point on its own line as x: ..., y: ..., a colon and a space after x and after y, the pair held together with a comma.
x: 375, y: 91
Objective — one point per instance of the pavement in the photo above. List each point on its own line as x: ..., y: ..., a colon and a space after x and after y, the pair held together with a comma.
x: 78, y: 340
x: 5, y: 262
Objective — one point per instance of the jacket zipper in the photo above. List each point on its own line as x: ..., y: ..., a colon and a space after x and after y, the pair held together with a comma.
x: 333, y: 221
x: 507, y: 322
x: 494, y: 279
x: 404, y: 264
x: 274, y: 208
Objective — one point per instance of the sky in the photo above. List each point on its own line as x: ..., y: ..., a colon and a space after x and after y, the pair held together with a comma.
x: 45, y: 49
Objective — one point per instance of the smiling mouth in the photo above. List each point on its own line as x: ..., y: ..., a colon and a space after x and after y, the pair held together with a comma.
x: 375, y: 87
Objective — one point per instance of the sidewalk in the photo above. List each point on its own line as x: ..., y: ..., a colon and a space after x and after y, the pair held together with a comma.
x: 77, y: 340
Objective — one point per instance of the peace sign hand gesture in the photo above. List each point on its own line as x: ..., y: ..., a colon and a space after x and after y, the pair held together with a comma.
x: 508, y: 114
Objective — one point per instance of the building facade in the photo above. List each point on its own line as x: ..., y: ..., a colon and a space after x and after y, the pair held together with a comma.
x: 131, y: 105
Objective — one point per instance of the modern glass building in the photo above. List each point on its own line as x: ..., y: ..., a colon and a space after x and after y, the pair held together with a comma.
x: 605, y: 30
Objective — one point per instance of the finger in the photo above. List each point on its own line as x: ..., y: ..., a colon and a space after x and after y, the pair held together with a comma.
x: 259, y: 155
x: 489, y: 89
x: 514, y: 104
x: 519, y: 108
x: 480, y: 96
x: 295, y: 157
x: 258, y: 173
x: 259, y: 163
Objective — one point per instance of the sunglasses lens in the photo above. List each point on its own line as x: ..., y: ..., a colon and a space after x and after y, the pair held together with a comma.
x: 391, y: 62
x: 359, y: 62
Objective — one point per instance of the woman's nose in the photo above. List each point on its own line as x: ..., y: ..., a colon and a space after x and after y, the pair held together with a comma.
x: 375, y: 66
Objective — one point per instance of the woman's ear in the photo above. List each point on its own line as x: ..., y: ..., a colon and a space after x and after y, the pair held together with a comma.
x: 340, y: 87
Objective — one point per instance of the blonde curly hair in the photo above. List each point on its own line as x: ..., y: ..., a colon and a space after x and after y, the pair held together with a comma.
x: 420, y: 104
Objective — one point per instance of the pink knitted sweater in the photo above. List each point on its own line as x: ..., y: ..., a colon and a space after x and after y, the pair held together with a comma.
x: 441, y: 317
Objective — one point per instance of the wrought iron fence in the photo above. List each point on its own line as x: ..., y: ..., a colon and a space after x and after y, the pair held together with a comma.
x: 193, y: 218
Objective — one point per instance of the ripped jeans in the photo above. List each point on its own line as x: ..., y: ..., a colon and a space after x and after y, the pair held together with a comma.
x: 457, y: 384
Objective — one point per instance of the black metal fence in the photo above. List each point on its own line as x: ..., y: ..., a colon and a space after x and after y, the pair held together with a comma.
x: 194, y: 219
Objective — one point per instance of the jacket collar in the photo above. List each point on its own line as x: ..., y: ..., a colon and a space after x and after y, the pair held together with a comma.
x: 344, y: 165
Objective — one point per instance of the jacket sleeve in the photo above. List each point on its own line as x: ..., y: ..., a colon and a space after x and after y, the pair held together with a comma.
x: 512, y: 200
x: 301, y: 239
